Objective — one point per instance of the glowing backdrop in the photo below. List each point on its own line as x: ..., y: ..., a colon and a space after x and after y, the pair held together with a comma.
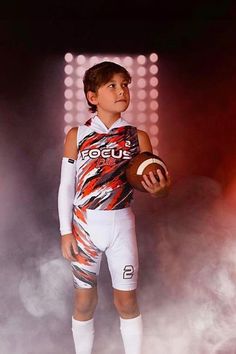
x: 143, y: 109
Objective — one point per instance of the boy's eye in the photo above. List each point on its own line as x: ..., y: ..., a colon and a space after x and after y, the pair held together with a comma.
x: 125, y: 84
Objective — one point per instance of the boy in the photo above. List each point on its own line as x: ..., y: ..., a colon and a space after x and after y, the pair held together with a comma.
x: 94, y: 205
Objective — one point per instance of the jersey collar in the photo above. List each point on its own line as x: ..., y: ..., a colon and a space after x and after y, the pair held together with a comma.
x: 100, y: 127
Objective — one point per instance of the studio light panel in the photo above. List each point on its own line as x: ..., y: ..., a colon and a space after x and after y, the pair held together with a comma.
x: 143, y: 108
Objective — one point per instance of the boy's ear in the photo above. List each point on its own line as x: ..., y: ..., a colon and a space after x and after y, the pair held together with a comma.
x: 92, y: 97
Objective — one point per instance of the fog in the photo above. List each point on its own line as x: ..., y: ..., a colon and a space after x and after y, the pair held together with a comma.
x: 187, y: 272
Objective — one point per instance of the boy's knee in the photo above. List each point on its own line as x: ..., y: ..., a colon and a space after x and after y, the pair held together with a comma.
x: 85, y: 305
x: 126, y: 306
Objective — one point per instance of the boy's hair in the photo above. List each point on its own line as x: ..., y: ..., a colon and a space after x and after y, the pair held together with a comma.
x: 99, y: 75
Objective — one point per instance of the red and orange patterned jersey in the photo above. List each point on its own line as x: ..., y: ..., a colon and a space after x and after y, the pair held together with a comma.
x: 103, y: 155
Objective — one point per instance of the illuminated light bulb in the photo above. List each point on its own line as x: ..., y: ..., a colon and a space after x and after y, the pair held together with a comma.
x: 80, y: 117
x: 116, y: 60
x: 154, y: 105
x: 68, y: 94
x: 67, y: 128
x: 154, y: 130
x: 153, y: 94
x: 141, y: 71
x: 80, y: 106
x: 81, y: 59
x: 141, y: 59
x: 141, y: 83
x: 154, y: 117
x: 131, y: 72
x: 128, y: 61
x: 153, y: 57
x: 68, y: 69
x: 154, y: 81
x: 80, y: 70
x: 154, y: 141
x: 93, y: 60
x: 68, y: 105
x: 141, y: 106
x: 68, y: 57
x: 68, y: 81
x: 68, y: 117
x: 128, y: 116
x: 80, y: 94
x: 153, y: 69
x: 79, y: 83
x: 142, y: 127
x: 142, y: 94
x: 142, y: 117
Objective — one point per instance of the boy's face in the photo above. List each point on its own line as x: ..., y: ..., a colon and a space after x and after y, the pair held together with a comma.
x: 112, y: 97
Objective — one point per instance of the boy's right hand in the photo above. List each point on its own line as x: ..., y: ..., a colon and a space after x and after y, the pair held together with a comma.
x: 69, y: 247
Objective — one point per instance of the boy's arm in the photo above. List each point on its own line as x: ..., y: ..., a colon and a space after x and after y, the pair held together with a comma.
x: 150, y: 183
x: 70, y: 146
x: 66, y: 194
x: 144, y: 141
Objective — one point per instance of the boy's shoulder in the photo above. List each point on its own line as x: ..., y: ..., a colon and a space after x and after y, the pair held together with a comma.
x: 72, y: 131
x: 72, y: 134
x: 142, y: 133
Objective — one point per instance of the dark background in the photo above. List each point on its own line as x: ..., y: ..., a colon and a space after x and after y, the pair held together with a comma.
x: 196, y: 47
x: 187, y: 241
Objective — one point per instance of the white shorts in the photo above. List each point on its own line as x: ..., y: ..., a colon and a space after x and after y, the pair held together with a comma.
x: 109, y: 231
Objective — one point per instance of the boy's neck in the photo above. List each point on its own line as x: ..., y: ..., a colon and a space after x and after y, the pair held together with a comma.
x: 108, y: 120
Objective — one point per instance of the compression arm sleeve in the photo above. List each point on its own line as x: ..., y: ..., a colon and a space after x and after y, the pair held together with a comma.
x: 66, y: 195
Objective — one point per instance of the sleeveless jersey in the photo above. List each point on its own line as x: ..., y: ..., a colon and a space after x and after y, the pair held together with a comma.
x: 103, y: 155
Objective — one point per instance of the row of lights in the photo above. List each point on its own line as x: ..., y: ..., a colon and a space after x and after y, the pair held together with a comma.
x: 142, y: 71
x: 126, y: 60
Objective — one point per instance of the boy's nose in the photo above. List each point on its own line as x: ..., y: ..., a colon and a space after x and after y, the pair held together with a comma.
x: 121, y: 91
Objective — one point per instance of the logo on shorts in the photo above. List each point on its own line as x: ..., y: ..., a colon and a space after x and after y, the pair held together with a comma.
x: 128, y: 272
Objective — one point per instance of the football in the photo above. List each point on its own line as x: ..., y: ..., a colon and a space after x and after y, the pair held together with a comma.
x: 142, y: 164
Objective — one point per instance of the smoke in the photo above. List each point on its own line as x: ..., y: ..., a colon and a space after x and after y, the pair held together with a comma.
x: 34, y: 278
x: 187, y: 291
x: 190, y: 295
x: 39, y: 289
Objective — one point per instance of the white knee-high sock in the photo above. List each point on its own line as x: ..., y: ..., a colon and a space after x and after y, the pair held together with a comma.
x: 83, y: 334
x: 132, y: 334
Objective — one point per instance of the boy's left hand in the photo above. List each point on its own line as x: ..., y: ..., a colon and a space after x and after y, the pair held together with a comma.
x: 153, y: 186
